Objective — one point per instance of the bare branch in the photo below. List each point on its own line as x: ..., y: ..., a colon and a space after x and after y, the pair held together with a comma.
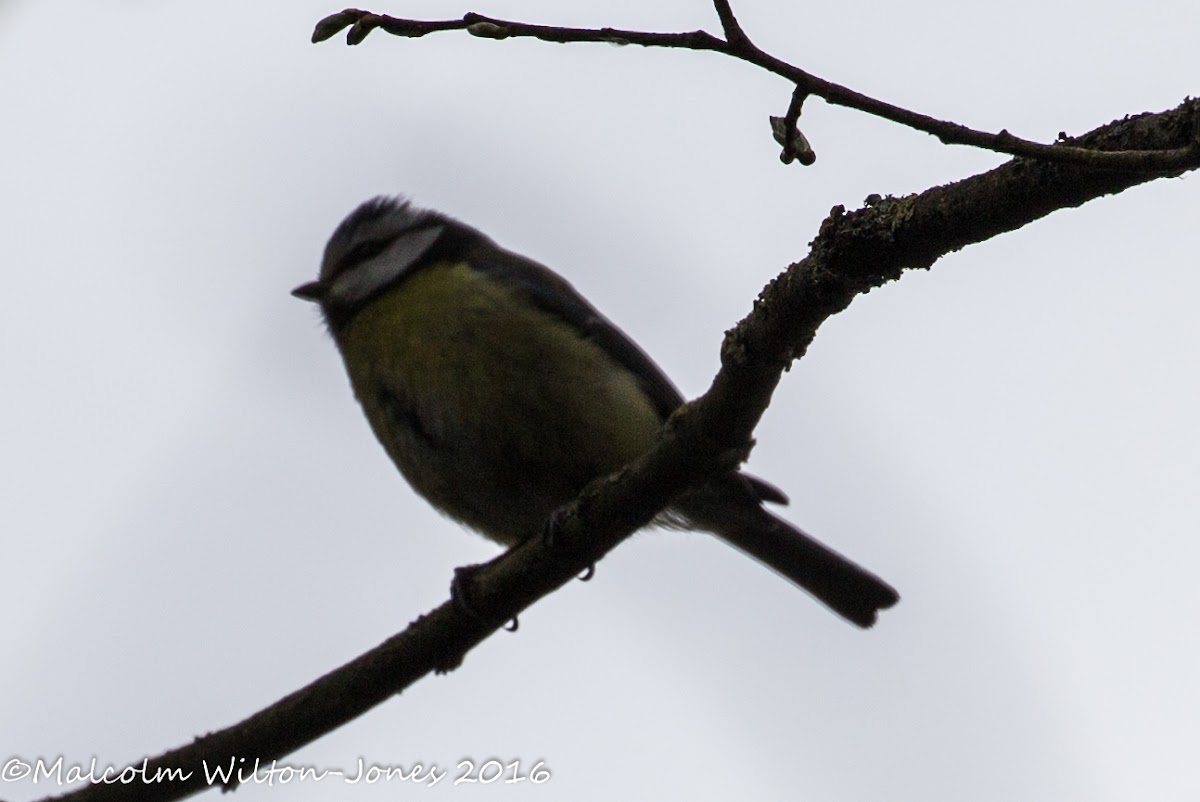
x: 739, y: 46
x: 734, y: 34
x: 363, y: 22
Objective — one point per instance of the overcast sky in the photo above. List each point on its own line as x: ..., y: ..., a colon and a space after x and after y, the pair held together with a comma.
x: 196, y: 519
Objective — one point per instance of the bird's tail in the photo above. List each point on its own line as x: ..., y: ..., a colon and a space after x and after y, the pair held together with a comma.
x: 846, y: 588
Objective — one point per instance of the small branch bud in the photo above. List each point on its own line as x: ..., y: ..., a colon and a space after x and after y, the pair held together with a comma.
x: 488, y: 30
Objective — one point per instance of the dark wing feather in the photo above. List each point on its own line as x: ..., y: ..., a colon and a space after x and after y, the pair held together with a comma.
x: 555, y: 295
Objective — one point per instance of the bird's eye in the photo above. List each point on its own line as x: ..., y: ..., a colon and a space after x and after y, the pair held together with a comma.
x: 363, y: 251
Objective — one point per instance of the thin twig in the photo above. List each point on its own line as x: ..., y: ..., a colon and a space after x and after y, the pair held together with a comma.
x: 739, y: 46
x: 734, y: 34
x: 788, y: 133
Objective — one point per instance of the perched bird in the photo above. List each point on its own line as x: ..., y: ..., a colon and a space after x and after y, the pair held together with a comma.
x: 499, y: 392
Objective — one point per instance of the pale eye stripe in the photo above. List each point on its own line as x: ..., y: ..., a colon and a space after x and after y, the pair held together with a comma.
x: 365, y: 279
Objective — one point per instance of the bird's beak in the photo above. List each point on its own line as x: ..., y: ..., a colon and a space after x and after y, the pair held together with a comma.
x: 312, y: 291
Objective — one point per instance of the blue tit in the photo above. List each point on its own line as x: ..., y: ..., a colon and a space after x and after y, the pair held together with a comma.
x: 499, y: 392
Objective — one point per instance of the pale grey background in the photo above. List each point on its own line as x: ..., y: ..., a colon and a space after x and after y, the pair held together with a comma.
x: 196, y: 519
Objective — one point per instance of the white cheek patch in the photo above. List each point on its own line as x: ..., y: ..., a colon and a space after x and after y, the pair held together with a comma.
x: 367, y: 278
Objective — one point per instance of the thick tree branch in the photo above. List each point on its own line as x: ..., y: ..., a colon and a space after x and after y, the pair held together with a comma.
x: 853, y: 253
x: 738, y: 45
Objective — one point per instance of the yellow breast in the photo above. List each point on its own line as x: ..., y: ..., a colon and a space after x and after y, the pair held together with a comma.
x: 493, y: 409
